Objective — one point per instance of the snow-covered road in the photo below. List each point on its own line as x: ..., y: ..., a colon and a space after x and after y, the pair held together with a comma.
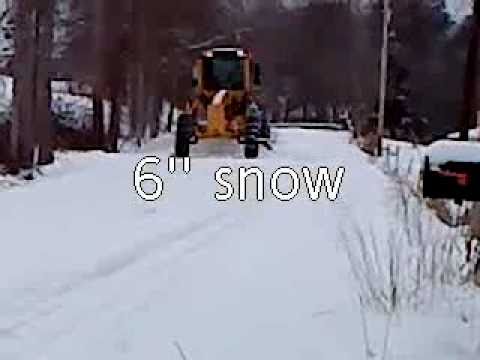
x: 90, y: 271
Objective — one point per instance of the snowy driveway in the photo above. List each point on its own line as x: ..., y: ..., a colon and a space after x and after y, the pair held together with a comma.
x: 89, y: 271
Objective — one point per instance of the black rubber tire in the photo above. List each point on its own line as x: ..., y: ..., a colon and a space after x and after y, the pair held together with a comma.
x: 252, y: 132
x: 184, y: 134
x: 251, y: 151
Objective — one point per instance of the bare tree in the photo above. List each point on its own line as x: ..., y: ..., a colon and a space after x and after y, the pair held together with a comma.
x: 44, y: 47
x: 468, y: 118
x: 25, y: 62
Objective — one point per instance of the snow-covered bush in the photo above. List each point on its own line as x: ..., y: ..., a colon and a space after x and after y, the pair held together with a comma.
x: 473, y: 135
x: 74, y: 112
x: 6, y: 91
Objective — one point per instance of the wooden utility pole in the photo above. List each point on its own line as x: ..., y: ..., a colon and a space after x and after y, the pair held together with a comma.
x: 387, y: 13
x: 469, y: 109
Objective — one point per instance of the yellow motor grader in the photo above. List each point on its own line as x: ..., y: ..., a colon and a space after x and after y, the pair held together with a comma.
x: 225, y: 104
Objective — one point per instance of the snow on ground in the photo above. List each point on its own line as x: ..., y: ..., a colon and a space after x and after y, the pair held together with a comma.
x: 90, y: 271
x: 473, y: 134
x: 441, y: 152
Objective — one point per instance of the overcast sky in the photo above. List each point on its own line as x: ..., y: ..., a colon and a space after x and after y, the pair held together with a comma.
x: 459, y: 8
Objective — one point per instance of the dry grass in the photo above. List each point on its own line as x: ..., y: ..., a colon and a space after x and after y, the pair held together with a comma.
x: 407, y: 264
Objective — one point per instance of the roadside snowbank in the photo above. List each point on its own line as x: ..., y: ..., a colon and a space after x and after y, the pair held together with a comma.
x: 441, y: 152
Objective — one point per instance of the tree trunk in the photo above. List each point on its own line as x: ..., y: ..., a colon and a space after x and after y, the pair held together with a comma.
x: 287, y: 111
x: 156, y: 119
x: 114, y: 128
x: 140, y: 70
x: 171, y: 114
x: 44, y: 126
x: 468, y: 117
x: 137, y: 104
x: 98, y: 123
x: 116, y: 87
x: 22, y: 130
x: 139, y: 107
x: 99, y: 92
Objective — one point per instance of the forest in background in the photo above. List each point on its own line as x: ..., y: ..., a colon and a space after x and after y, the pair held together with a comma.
x: 136, y: 56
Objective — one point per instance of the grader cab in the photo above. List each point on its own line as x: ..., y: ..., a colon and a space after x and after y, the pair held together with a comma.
x: 225, y: 103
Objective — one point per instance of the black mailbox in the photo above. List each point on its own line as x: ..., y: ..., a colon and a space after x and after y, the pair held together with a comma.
x: 452, y: 180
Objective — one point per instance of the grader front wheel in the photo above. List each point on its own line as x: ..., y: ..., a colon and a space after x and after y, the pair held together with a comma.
x: 251, y: 150
x: 252, y: 132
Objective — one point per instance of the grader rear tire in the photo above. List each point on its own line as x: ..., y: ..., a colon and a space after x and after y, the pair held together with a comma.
x: 184, y: 134
x: 254, y: 124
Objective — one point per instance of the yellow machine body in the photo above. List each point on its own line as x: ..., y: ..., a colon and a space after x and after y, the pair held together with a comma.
x: 220, y: 110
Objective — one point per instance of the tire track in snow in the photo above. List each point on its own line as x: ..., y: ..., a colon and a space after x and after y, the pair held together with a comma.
x: 119, y: 263
x: 112, y: 308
